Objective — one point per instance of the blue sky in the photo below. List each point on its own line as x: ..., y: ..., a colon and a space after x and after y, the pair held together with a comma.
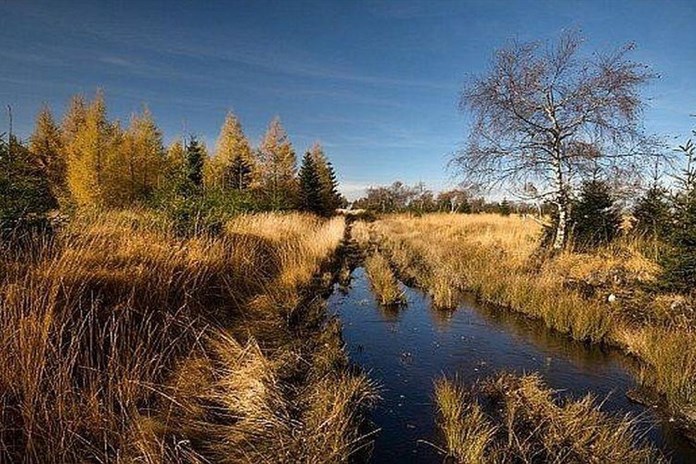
x: 376, y: 82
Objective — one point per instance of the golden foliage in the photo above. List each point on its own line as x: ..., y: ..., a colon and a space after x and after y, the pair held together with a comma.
x: 231, y: 143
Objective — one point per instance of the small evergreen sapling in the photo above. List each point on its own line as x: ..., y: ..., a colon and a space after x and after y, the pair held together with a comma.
x: 595, y: 218
x: 652, y: 213
x: 24, y: 187
x: 680, y: 261
x: 505, y: 208
x: 239, y: 173
x: 195, y: 159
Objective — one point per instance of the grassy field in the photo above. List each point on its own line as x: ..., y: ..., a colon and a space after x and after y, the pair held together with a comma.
x: 123, y: 342
x: 602, y: 297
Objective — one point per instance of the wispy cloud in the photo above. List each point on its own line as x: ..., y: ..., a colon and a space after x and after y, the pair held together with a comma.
x: 268, y: 56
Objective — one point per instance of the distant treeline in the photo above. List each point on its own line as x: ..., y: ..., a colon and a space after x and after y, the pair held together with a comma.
x: 399, y: 197
x: 87, y: 160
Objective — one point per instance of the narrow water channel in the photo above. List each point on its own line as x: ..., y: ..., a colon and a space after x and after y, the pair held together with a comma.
x: 406, y: 349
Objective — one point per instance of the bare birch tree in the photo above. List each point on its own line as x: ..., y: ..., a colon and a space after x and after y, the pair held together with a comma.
x: 545, y: 114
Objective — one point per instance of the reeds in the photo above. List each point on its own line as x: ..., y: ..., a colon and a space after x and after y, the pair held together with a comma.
x: 508, y: 419
x: 120, y: 340
x: 498, y: 259
x: 382, y: 280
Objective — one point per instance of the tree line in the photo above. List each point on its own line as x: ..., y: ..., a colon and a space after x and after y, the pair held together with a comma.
x: 402, y: 198
x: 87, y: 160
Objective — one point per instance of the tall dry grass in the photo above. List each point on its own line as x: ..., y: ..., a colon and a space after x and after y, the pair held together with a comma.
x: 382, y: 280
x: 120, y: 341
x: 510, y: 419
x: 498, y: 259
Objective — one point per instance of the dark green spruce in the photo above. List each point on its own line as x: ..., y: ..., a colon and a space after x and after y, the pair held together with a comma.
x: 310, y: 187
x: 595, y: 218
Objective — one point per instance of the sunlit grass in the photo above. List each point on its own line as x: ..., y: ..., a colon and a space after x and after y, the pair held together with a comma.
x: 518, y: 419
x: 121, y: 340
x: 499, y: 260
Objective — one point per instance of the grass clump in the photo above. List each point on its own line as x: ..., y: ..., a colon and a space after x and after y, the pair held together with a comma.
x: 383, y: 282
x: 511, y: 419
x: 466, y: 430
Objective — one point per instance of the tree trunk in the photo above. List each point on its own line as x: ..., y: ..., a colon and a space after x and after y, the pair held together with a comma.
x: 560, y: 237
x: 561, y: 226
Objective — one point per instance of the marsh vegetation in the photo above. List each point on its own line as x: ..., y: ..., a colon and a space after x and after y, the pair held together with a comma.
x: 606, y: 296
x: 122, y: 341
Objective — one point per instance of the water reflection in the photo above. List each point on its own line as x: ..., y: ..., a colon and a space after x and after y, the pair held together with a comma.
x: 407, y: 348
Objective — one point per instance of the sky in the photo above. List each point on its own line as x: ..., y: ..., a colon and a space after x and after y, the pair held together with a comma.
x: 376, y: 82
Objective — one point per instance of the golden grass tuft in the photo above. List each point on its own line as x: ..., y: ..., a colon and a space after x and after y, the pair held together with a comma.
x: 467, y: 431
x: 360, y: 233
x: 382, y: 280
x: 523, y: 422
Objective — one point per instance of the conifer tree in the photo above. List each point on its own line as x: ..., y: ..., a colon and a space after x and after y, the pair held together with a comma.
x: 652, y: 213
x: 278, y: 167
x: 142, y: 158
x: 310, y: 198
x: 238, y: 174
x: 505, y: 208
x: 680, y: 261
x: 89, y: 155
x: 74, y: 119
x: 331, y: 198
x: 46, y: 145
x: 175, y: 171
x: 232, y: 148
x: 595, y: 218
x: 24, y: 187
x: 195, y: 161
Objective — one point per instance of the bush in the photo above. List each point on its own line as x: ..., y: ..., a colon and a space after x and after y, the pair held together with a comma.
x: 205, y: 212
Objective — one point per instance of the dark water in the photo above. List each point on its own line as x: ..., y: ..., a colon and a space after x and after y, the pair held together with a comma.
x: 406, y: 349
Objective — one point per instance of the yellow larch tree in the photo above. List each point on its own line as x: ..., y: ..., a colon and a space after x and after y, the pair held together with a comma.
x: 139, y: 169
x: 46, y: 145
x: 73, y: 120
x: 90, y: 153
x: 232, y: 151
x: 278, y: 167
